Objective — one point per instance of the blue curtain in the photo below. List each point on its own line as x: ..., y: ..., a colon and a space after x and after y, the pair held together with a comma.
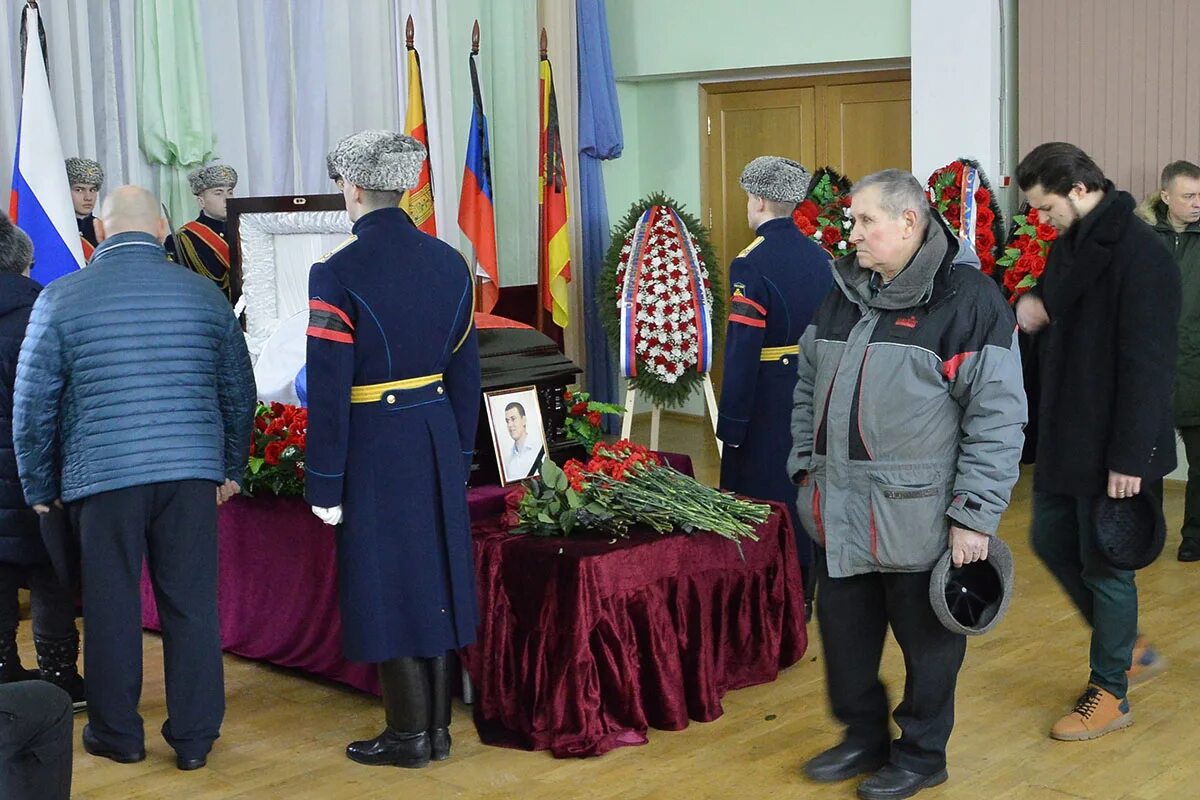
x: 600, y: 138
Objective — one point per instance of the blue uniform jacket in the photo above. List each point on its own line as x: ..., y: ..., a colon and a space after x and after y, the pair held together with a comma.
x: 391, y: 328
x: 776, y: 285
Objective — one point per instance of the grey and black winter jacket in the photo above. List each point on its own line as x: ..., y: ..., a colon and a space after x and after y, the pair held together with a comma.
x: 908, y: 411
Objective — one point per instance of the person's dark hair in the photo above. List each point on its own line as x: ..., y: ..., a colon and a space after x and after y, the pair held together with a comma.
x: 1056, y: 167
x: 16, y: 249
x: 1178, y: 169
x: 520, y: 409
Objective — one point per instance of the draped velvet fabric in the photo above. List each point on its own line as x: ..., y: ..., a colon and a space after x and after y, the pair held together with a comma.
x: 584, y: 643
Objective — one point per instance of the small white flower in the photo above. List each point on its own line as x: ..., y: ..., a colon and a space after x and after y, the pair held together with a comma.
x: 842, y: 245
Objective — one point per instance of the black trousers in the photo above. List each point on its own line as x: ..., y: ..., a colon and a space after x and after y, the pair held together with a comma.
x: 854, y: 614
x: 52, y: 604
x: 35, y: 741
x: 174, y: 527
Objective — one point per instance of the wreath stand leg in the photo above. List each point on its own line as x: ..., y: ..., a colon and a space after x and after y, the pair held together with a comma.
x: 710, y: 402
x: 627, y: 420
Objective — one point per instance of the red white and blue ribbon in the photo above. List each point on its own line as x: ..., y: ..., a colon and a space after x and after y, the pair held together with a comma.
x: 700, y: 303
x: 629, y: 321
x: 970, y: 182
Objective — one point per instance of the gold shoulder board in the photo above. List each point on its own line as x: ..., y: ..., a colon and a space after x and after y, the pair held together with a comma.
x: 750, y: 247
x: 334, y: 250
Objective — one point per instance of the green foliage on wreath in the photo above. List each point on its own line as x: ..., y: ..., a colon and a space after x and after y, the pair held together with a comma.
x: 646, y: 383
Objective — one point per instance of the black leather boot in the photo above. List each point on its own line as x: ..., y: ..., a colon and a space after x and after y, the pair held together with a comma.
x: 58, y: 659
x: 439, y: 720
x: 11, y: 670
x: 405, y: 741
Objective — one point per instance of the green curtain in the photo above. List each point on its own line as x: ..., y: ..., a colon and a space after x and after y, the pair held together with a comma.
x: 174, y: 118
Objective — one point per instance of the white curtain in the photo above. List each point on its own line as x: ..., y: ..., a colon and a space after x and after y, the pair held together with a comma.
x: 287, y: 79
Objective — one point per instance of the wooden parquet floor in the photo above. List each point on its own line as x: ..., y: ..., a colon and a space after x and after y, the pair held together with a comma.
x: 284, y: 733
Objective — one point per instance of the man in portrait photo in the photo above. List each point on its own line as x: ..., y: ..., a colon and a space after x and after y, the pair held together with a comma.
x: 524, y: 456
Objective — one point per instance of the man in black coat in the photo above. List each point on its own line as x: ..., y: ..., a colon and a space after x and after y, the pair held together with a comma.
x: 1107, y: 314
x: 23, y: 558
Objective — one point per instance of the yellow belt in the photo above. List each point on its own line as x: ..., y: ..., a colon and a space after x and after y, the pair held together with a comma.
x: 776, y: 353
x: 371, y: 392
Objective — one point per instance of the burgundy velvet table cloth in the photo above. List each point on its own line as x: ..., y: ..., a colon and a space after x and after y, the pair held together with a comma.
x: 583, y: 643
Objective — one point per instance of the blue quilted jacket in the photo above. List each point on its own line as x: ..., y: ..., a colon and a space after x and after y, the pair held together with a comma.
x: 133, y: 371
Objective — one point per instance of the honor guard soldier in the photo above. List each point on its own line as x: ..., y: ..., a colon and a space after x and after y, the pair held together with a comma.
x: 200, y: 244
x: 777, y: 282
x: 85, y: 177
x: 393, y: 400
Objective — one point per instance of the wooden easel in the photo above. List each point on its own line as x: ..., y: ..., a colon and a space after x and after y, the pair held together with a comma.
x: 710, y: 403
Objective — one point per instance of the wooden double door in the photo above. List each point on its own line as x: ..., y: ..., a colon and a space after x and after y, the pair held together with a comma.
x: 856, y: 123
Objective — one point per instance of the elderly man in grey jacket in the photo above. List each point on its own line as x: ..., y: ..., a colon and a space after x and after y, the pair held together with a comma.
x: 907, y: 433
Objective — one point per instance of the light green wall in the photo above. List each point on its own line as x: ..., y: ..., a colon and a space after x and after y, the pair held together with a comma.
x: 507, y: 65
x: 663, y: 49
x: 672, y: 37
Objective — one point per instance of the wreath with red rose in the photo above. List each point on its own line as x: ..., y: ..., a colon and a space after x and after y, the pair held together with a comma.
x: 945, y: 193
x: 1024, y: 257
x: 824, y: 214
x: 667, y: 329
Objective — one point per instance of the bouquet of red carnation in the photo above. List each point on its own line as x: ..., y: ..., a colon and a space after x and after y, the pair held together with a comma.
x: 624, y: 484
x: 823, y: 216
x: 1024, y: 257
x: 584, y: 415
x: 945, y: 193
x: 277, y: 450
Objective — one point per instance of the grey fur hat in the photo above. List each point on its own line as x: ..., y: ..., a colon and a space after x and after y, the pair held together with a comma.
x: 84, y: 171
x: 381, y: 161
x: 214, y: 175
x: 776, y: 178
x: 972, y: 599
x: 16, y: 249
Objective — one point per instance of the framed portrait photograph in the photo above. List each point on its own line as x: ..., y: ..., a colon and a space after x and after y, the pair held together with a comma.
x: 518, y: 435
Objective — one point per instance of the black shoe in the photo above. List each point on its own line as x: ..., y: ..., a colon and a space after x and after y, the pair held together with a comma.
x: 409, y: 750
x: 1189, y: 549
x: 844, y: 761
x: 189, y: 764
x: 893, y: 783
x: 439, y: 744
x: 95, y: 748
x: 58, y: 659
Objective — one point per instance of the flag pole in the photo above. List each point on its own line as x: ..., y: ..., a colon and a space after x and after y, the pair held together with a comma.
x: 478, y: 280
x: 542, y: 265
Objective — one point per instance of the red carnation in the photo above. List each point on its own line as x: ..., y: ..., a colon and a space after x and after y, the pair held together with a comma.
x: 830, y: 235
x: 952, y: 191
x: 568, y: 396
x: 1031, y: 217
x: 1025, y: 265
x: 1032, y: 247
x: 982, y: 196
x: 272, y: 453
x: 806, y: 225
x: 1011, y: 279
x: 579, y: 409
x: 593, y: 418
x: 985, y: 240
x: 1039, y: 266
x: 984, y: 216
x: 276, y: 409
x: 1047, y: 233
x: 808, y: 209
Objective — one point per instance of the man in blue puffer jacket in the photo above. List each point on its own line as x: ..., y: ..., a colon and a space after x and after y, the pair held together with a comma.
x: 134, y: 403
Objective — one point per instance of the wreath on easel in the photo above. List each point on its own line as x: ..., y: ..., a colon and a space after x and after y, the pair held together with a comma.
x: 657, y: 303
x: 948, y: 189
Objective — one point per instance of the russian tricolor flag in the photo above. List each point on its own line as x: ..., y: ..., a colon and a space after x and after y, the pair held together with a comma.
x: 41, y: 197
x: 476, y: 215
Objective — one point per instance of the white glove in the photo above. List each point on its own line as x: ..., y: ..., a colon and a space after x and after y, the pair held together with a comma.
x: 330, y: 516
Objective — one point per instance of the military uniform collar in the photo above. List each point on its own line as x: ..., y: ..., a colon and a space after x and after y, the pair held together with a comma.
x: 773, y: 225
x: 381, y: 216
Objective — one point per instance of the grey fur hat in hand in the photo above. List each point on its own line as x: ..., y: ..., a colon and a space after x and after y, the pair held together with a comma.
x: 202, y: 179
x: 381, y: 161
x: 972, y: 599
x: 776, y: 178
x: 84, y: 172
